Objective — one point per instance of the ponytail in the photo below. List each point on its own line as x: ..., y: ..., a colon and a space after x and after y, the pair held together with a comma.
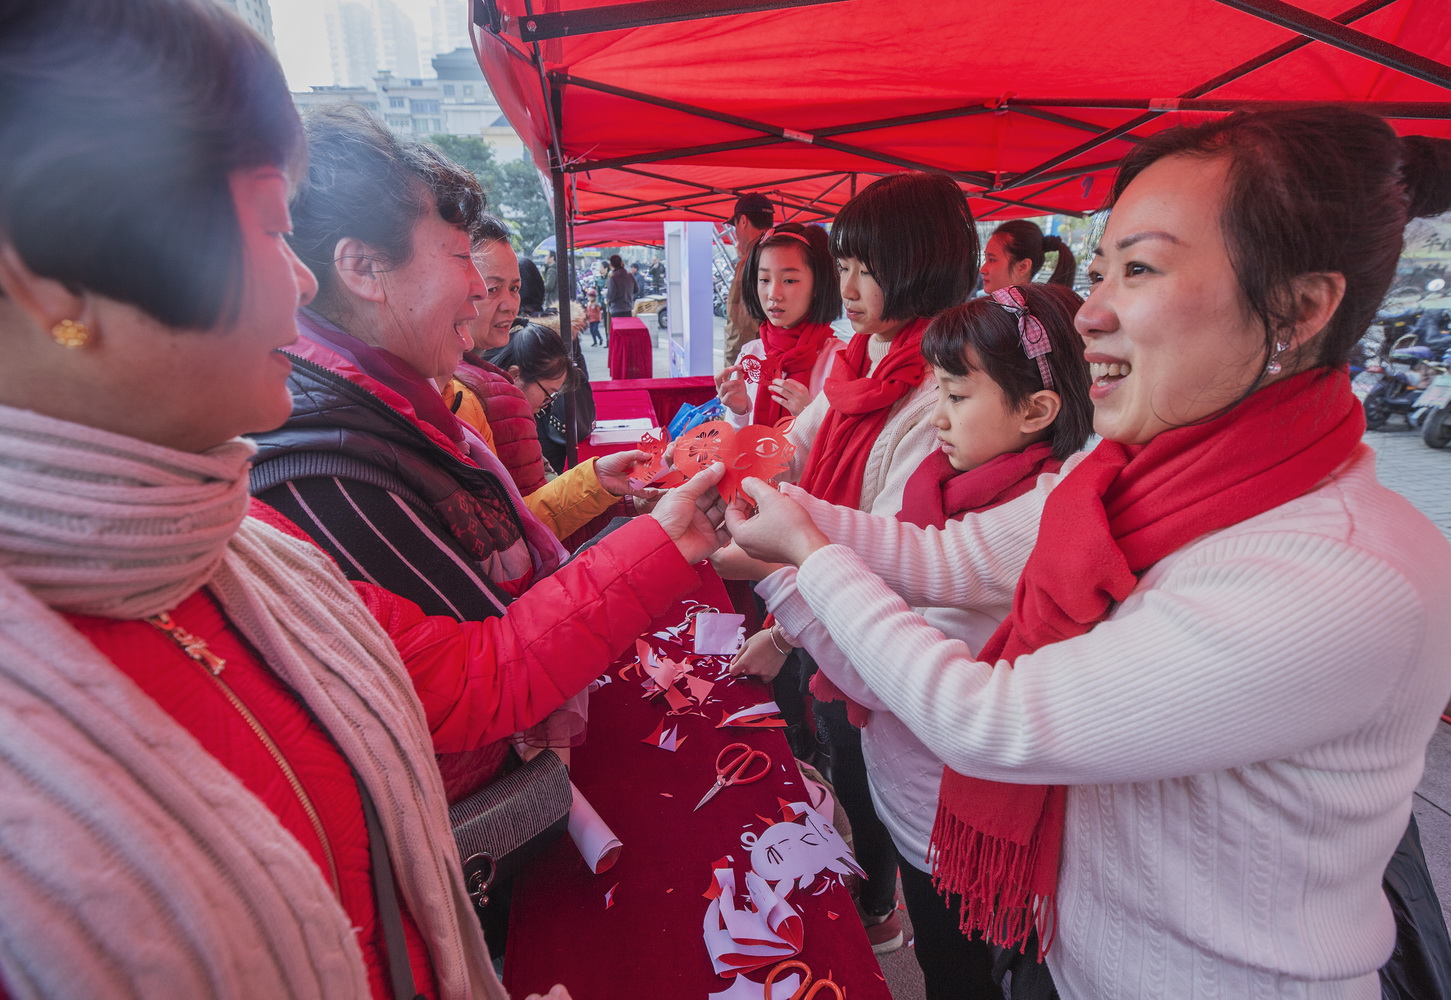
x: 1066, y: 268
x: 1023, y: 240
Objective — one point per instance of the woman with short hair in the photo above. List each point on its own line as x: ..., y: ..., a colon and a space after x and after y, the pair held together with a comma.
x: 216, y: 753
x: 1185, y: 758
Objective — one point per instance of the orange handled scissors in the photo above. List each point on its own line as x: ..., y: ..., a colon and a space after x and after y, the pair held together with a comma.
x: 808, y: 990
x: 732, y: 765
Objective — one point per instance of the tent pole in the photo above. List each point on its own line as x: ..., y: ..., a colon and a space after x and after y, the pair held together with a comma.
x: 1332, y: 33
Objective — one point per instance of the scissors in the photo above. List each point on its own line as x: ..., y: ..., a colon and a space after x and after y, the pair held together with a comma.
x: 808, y: 989
x: 731, y: 768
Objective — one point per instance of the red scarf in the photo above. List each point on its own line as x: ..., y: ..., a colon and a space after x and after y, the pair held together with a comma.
x: 860, y: 406
x: 937, y: 493
x: 1121, y: 510
x: 789, y: 354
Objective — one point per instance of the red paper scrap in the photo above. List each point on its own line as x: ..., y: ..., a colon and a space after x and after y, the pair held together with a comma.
x: 833, y: 916
x: 610, y: 895
x: 666, y: 739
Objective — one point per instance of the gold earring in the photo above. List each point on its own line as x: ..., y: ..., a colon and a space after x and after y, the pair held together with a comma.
x: 70, y: 333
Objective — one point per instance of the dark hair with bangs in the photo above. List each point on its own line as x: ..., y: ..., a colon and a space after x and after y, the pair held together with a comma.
x: 915, y: 234
x: 539, y: 353
x: 983, y: 336
x: 825, y: 289
x: 1311, y: 190
x: 366, y: 183
x: 120, y: 123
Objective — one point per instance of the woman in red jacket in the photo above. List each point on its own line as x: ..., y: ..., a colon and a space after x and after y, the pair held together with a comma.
x: 218, y: 770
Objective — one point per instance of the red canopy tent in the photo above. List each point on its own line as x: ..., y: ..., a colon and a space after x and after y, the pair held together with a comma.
x: 667, y: 109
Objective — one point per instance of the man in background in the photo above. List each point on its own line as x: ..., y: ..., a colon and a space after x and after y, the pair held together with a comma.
x: 753, y: 216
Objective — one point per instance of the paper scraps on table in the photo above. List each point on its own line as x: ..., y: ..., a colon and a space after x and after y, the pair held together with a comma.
x: 741, y: 988
x: 745, y: 933
x: 795, y: 851
x: 597, y: 843
x: 719, y: 635
x: 765, y: 715
x: 610, y: 895
x: 666, y: 737
x: 755, y: 450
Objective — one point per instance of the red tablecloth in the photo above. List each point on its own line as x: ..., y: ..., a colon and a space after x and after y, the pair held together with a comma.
x: 636, y: 930
x: 667, y: 394
x: 629, y: 348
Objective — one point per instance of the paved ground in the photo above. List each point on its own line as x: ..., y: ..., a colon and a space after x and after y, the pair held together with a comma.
x: 1423, y: 476
x: 1404, y: 464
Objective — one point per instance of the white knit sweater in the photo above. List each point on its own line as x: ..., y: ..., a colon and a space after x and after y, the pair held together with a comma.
x: 1242, y: 736
x: 907, y: 438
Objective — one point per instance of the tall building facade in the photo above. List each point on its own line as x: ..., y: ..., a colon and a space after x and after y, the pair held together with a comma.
x: 257, y: 13
x: 369, y: 36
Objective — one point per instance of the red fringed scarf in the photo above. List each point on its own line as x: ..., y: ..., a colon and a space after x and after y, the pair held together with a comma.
x: 860, y: 406
x: 1121, y: 510
x: 937, y: 493
x: 790, y: 353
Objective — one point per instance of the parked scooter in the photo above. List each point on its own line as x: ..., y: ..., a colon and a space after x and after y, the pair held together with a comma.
x: 1395, y: 385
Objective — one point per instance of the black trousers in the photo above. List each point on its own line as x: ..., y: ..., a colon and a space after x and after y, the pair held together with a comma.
x: 954, y: 966
x: 847, y: 771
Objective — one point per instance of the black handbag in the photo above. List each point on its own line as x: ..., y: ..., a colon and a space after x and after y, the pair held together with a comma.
x: 505, y: 824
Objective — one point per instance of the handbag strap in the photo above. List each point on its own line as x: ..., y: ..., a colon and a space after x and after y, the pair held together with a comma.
x: 400, y: 969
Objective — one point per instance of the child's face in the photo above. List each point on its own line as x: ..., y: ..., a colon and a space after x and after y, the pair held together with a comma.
x: 784, y: 285
x: 974, y: 423
x: 863, y: 298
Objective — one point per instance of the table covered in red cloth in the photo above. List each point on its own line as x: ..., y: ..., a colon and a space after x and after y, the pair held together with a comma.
x: 636, y: 930
x: 629, y: 348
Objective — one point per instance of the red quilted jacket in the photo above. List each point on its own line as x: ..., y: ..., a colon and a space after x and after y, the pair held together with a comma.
x: 516, y: 440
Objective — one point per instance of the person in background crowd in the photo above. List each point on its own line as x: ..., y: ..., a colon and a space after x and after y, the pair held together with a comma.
x: 213, y: 749
x: 1184, y: 759
x: 639, y: 280
x: 592, y: 315
x: 620, y: 289
x: 547, y: 274
x: 752, y: 216
x: 1014, y: 255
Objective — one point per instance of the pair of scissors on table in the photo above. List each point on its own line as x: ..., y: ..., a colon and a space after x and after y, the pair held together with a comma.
x: 732, y: 767
x: 808, y: 989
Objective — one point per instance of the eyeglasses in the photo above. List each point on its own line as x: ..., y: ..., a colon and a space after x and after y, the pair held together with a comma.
x: 549, y: 397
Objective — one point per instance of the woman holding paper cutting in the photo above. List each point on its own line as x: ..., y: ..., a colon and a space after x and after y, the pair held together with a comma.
x: 374, y: 467
x: 1190, y: 778
x: 209, y: 745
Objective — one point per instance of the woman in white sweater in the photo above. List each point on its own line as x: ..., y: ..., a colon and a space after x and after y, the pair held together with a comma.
x: 1186, y: 757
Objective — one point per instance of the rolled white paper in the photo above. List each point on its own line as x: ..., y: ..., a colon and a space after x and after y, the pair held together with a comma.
x: 597, y: 843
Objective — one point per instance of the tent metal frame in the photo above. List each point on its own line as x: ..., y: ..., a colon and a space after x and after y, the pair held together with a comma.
x: 531, y: 28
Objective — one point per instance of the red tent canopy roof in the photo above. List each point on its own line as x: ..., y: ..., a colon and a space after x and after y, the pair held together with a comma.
x: 667, y: 109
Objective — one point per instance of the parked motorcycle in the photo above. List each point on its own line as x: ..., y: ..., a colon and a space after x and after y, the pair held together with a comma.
x: 1395, y: 384
x: 1436, y: 402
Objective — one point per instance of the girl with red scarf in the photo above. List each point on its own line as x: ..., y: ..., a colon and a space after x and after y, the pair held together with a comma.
x: 1184, y: 759
x: 906, y: 249
x: 1012, y: 404
x: 794, y: 297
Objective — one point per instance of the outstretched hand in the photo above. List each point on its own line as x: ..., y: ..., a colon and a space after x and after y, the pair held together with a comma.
x: 778, y: 531
x: 693, y: 514
x: 613, y: 471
